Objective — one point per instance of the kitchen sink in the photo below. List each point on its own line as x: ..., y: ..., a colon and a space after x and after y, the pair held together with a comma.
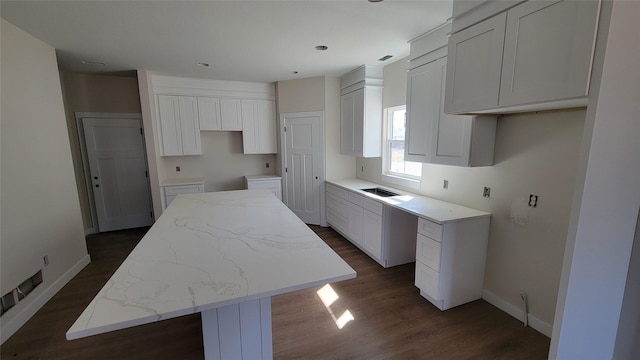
x: 380, y: 192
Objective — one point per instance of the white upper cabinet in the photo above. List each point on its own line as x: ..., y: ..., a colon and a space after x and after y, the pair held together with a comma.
x: 423, y: 109
x: 474, y: 66
x: 433, y: 136
x: 179, y: 127
x: 219, y: 114
x: 361, y: 112
x: 259, y: 127
x: 535, y: 56
x: 547, y: 51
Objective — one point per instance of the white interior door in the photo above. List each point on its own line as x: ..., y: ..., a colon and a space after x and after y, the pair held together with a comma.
x: 302, y: 135
x: 118, y: 170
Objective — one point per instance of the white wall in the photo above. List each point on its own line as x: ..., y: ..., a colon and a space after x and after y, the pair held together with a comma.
x: 605, y: 211
x: 39, y: 201
x: 535, y: 153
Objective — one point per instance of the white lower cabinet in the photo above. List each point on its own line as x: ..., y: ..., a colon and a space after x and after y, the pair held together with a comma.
x: 450, y: 261
x: 361, y: 220
x: 171, y: 189
x: 268, y: 182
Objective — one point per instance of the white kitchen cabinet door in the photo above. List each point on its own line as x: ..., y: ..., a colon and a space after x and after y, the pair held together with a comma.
x: 209, y: 113
x: 356, y: 223
x: 179, y: 125
x: 423, y: 109
x: 258, y: 127
x: 230, y: 114
x: 361, y: 122
x: 548, y: 51
x: 435, y: 137
x: 474, y: 63
x: 347, y: 118
x: 219, y: 114
x: 372, y: 233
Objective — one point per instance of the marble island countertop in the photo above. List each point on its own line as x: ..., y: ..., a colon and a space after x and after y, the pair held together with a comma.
x: 209, y: 250
x: 432, y: 209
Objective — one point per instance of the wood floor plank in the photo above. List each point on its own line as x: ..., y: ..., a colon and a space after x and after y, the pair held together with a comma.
x: 391, y: 319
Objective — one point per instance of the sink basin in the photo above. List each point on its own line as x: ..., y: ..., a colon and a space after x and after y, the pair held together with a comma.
x: 380, y: 192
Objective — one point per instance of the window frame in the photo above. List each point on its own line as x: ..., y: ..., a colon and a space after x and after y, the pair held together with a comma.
x: 389, y: 176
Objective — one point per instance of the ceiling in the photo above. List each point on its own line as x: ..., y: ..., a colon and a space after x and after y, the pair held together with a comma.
x: 260, y: 41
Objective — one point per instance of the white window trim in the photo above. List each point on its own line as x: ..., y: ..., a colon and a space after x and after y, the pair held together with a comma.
x: 404, y: 180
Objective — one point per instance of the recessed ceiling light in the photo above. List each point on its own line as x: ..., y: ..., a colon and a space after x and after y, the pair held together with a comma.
x: 96, y: 63
x: 294, y: 72
x: 203, y: 64
x: 322, y: 47
x: 385, y: 58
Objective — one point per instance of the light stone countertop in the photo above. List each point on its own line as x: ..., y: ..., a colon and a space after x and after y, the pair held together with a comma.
x: 209, y: 250
x: 432, y: 209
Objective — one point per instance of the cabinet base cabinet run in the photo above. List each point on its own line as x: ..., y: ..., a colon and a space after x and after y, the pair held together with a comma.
x: 450, y: 261
x: 385, y: 234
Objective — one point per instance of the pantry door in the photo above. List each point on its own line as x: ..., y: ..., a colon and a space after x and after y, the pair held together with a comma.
x: 303, y: 164
x: 118, y: 171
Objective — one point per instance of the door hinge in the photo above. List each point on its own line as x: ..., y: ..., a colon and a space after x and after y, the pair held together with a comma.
x: 141, y: 131
x: 286, y: 169
x: 151, y: 214
x: 146, y: 173
x: 285, y: 129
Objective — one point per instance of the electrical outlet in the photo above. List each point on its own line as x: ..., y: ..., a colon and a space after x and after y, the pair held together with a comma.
x: 445, y: 184
x: 267, y: 165
x: 177, y: 168
x: 45, y: 259
x: 533, y: 200
x: 487, y: 192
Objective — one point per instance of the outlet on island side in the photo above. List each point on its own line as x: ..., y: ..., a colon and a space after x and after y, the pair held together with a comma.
x: 533, y: 200
x: 177, y: 168
x: 486, y: 192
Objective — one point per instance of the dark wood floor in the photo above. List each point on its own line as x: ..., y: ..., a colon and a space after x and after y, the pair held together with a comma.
x: 391, y: 320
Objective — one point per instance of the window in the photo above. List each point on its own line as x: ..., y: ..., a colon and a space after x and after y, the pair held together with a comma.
x: 394, y: 164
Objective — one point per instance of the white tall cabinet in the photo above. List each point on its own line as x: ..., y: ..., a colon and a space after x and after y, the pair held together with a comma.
x: 433, y: 136
x: 534, y: 56
x: 259, y: 127
x: 361, y: 112
x: 179, y: 127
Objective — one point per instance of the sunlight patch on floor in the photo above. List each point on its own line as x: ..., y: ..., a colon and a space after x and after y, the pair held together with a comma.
x: 328, y: 296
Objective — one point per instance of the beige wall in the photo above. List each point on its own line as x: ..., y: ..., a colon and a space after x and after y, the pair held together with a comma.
x: 319, y: 94
x: 534, y: 154
x: 39, y: 200
x: 100, y: 94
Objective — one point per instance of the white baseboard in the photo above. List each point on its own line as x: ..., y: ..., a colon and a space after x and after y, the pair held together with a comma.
x: 534, y: 322
x: 9, y: 328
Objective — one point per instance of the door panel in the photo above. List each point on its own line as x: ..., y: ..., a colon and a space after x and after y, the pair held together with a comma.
x: 115, y: 151
x: 304, y: 174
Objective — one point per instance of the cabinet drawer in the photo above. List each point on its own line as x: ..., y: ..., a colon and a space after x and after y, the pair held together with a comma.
x: 428, y: 252
x: 430, y: 229
x: 339, y: 192
x: 372, y: 205
x: 337, y: 220
x: 427, y: 280
x: 338, y: 205
x: 183, y: 189
x: 264, y: 184
x: 356, y: 198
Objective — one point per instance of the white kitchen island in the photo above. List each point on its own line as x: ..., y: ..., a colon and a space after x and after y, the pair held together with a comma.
x: 222, y: 254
